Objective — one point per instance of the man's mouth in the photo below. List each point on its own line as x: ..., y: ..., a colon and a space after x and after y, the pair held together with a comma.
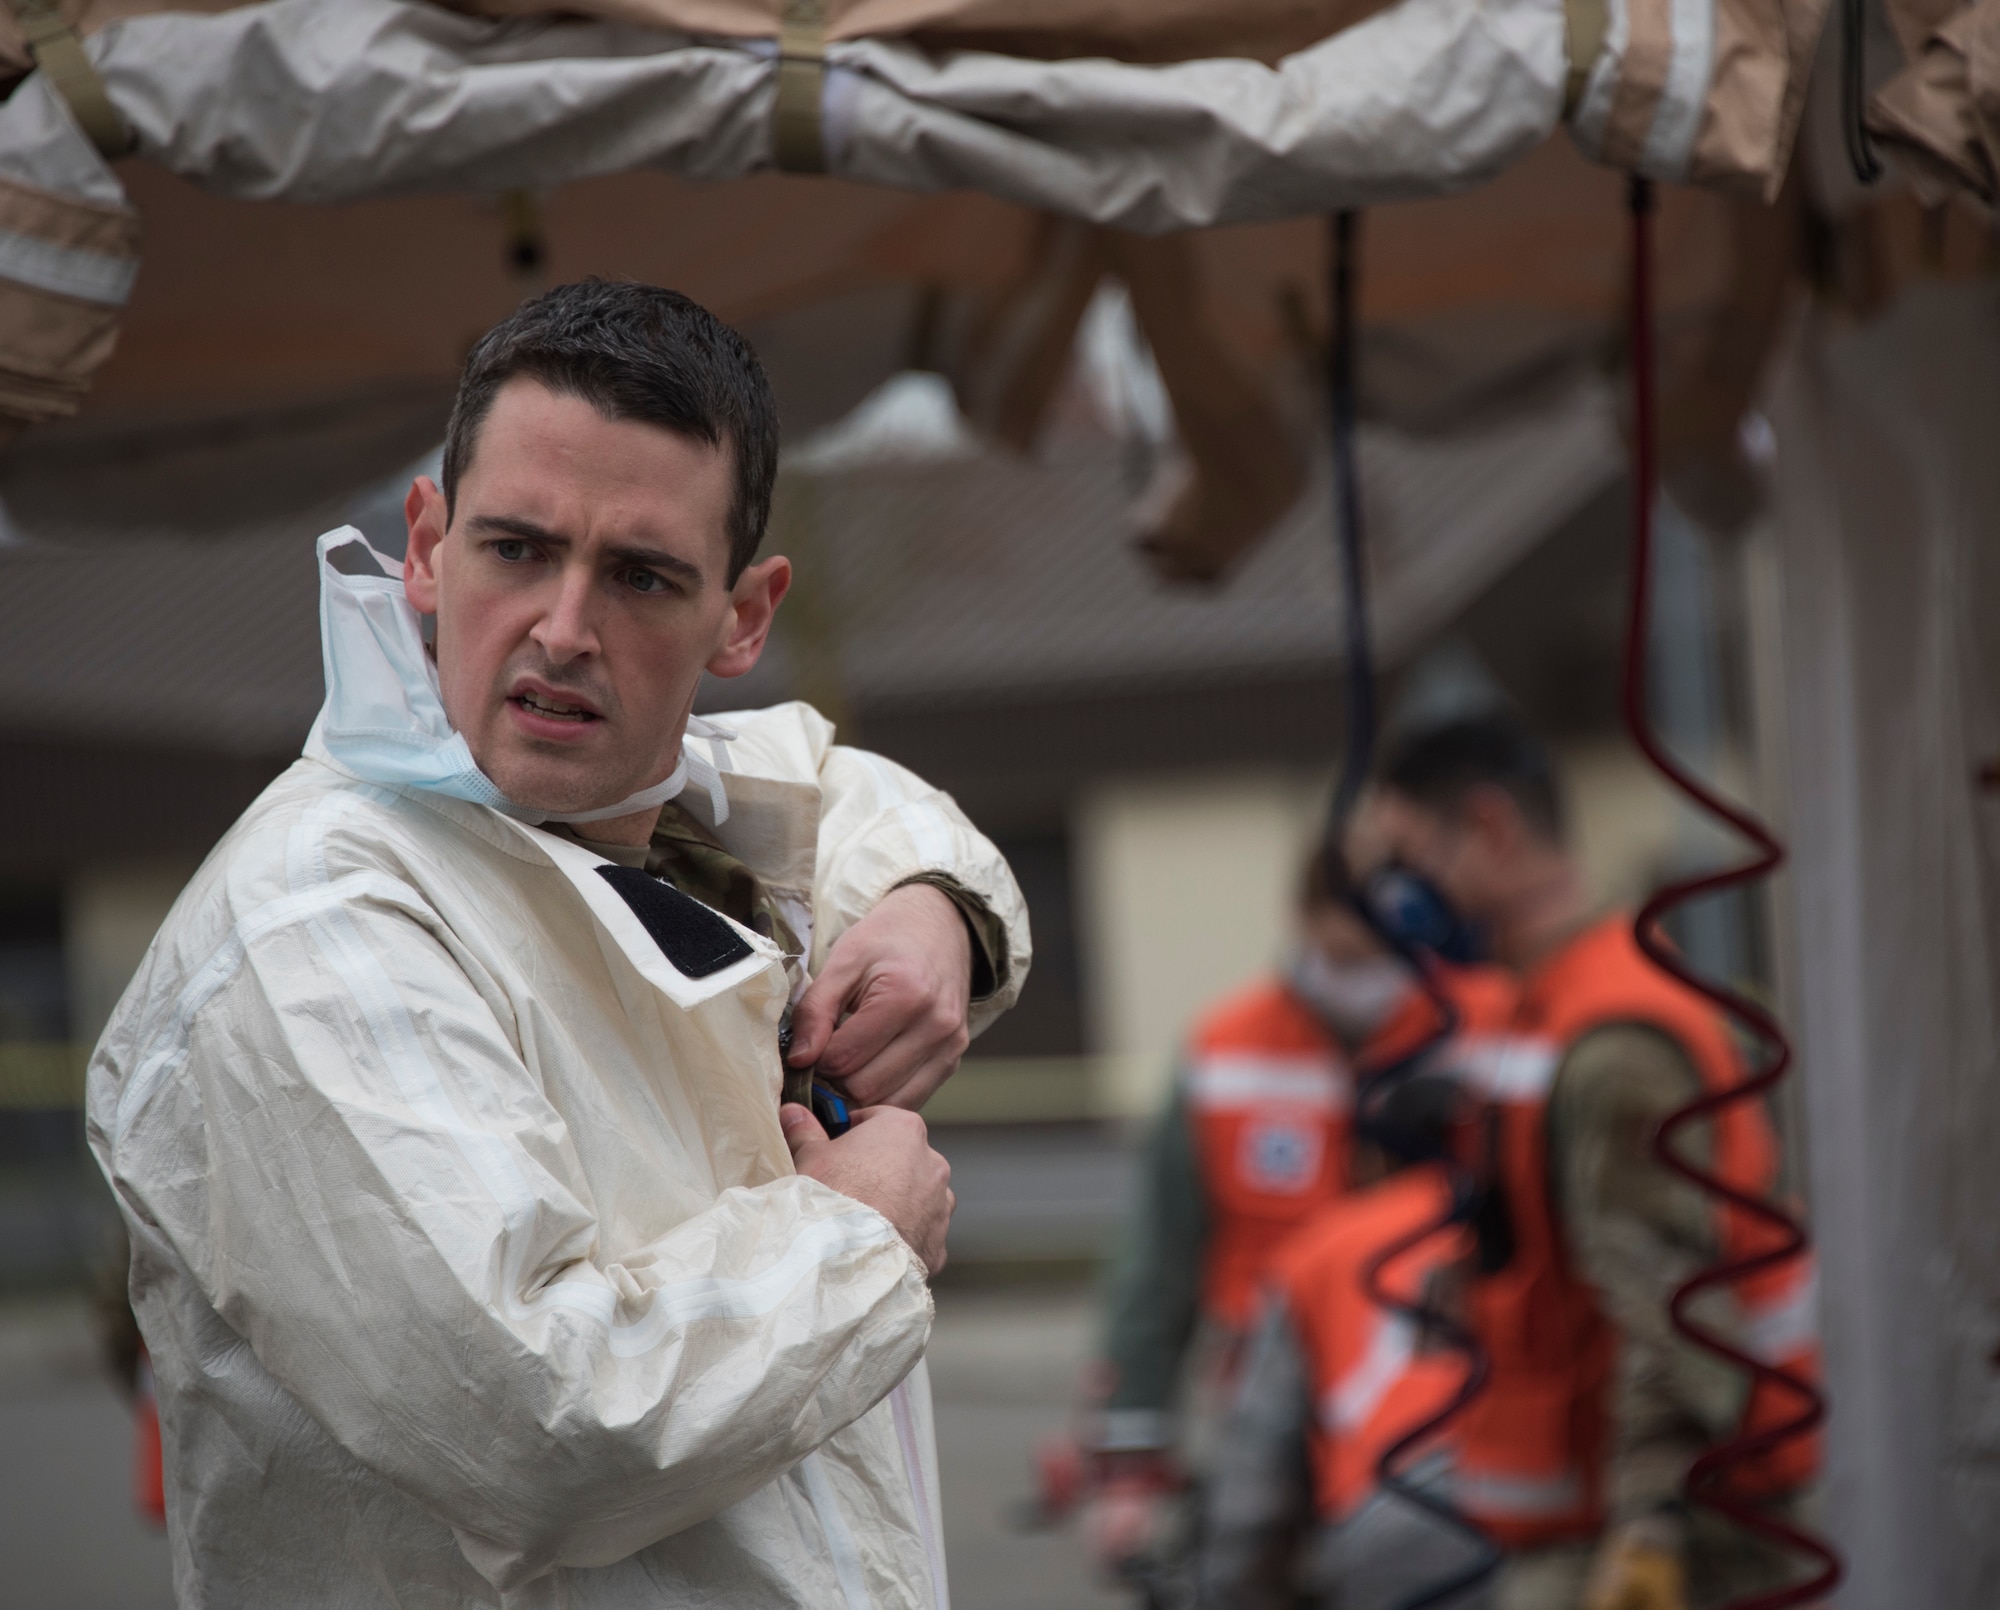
x: 549, y: 709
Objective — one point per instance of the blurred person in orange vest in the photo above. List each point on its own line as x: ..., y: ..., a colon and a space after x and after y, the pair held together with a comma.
x: 1334, y: 1380
x: 1575, y: 1454
x: 1254, y: 1137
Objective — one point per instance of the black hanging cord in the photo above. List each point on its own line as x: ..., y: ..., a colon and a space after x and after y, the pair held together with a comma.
x: 1375, y: 1084
x: 1854, y: 91
x: 1359, y: 691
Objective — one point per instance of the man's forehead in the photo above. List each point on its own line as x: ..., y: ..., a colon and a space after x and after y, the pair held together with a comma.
x: 1402, y: 817
x: 558, y: 463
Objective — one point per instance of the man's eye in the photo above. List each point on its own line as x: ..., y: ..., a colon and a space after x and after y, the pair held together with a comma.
x: 511, y: 549
x: 647, y: 581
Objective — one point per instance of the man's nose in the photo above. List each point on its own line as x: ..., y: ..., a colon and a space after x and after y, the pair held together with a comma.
x: 567, y: 629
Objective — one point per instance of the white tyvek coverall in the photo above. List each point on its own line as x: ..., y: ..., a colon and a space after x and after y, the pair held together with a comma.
x: 465, y: 1240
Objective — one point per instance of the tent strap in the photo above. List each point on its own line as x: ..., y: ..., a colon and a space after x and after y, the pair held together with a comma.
x: 1585, y: 23
x: 796, y: 145
x: 57, y: 51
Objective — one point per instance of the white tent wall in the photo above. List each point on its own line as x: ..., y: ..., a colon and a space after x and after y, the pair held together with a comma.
x: 1889, y: 503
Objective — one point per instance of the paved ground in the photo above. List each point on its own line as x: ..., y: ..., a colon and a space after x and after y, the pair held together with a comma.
x: 1003, y: 1368
x: 1003, y: 1363
x: 69, y: 1538
x: 1036, y: 1191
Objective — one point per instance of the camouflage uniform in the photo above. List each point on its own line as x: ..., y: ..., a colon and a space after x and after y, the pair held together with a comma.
x: 686, y: 853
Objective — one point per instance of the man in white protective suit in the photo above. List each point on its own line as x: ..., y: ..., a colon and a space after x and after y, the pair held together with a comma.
x: 477, y: 1260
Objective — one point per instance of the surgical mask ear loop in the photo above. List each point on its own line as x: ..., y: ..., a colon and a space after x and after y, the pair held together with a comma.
x: 707, y: 773
x: 645, y: 799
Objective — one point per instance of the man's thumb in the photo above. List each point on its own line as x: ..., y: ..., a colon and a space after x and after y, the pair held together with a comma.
x: 816, y: 1014
x: 802, y: 1130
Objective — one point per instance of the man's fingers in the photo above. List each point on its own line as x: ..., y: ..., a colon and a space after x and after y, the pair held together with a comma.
x: 868, y: 1115
x: 879, y: 1081
x: 873, y: 1023
x: 894, y: 1029
x: 818, y: 1011
x: 802, y: 1130
x: 905, y: 1073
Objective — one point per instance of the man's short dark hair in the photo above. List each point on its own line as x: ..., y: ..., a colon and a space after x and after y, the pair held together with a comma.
x: 633, y: 352
x: 1440, y: 766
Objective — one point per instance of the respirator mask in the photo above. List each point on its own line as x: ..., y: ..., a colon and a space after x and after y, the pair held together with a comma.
x: 1413, y: 917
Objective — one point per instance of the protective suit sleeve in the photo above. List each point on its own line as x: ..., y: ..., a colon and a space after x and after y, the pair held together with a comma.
x: 1260, y: 1494
x: 882, y: 825
x: 1153, y: 1292
x: 361, y: 1168
x: 1637, y: 1232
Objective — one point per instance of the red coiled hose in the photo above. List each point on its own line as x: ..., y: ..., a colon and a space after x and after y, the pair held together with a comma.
x: 1706, y: 1481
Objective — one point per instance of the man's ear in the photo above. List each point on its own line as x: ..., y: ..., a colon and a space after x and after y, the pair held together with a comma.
x: 424, y: 512
x: 753, y: 603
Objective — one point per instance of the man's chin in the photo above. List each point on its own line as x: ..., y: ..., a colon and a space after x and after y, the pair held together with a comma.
x: 556, y: 788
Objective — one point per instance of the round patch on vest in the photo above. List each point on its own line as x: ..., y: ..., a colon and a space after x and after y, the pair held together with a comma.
x: 1281, y: 1155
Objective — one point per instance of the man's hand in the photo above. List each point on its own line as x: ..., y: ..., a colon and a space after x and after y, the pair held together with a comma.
x: 885, y: 1162
x: 1127, y: 1515
x: 886, y: 1020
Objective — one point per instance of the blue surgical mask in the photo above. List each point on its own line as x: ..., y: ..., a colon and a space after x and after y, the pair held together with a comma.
x: 1356, y: 997
x: 384, y: 721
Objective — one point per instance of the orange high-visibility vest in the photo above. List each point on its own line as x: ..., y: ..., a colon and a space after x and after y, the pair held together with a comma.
x: 1531, y: 1463
x: 1270, y: 1096
x: 149, y: 1476
x: 1371, y: 1380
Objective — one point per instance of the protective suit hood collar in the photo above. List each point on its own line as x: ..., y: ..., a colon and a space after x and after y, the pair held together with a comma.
x: 384, y: 719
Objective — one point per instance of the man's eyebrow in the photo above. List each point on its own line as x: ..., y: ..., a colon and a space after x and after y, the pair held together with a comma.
x: 659, y: 559
x: 514, y: 525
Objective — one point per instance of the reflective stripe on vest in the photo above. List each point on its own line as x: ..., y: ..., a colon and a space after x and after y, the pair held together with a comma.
x: 1237, y: 1079
x: 1785, y: 1326
x: 1519, y: 1499
x: 1359, y: 1393
x: 1508, y: 1067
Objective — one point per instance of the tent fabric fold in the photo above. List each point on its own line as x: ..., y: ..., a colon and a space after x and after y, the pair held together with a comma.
x: 1123, y: 30
x: 1707, y: 93
x: 1940, y: 117
x: 369, y: 97
x: 68, y: 258
x: 1173, y: 115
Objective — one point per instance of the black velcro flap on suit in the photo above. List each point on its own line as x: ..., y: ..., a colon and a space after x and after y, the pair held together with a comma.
x: 689, y: 935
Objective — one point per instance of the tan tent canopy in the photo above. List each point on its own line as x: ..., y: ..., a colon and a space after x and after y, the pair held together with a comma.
x: 1123, y: 30
x: 1940, y: 116
x: 328, y: 100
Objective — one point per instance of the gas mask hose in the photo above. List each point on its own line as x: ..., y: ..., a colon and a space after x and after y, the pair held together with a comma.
x: 1373, y: 1086
x: 1707, y: 1480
